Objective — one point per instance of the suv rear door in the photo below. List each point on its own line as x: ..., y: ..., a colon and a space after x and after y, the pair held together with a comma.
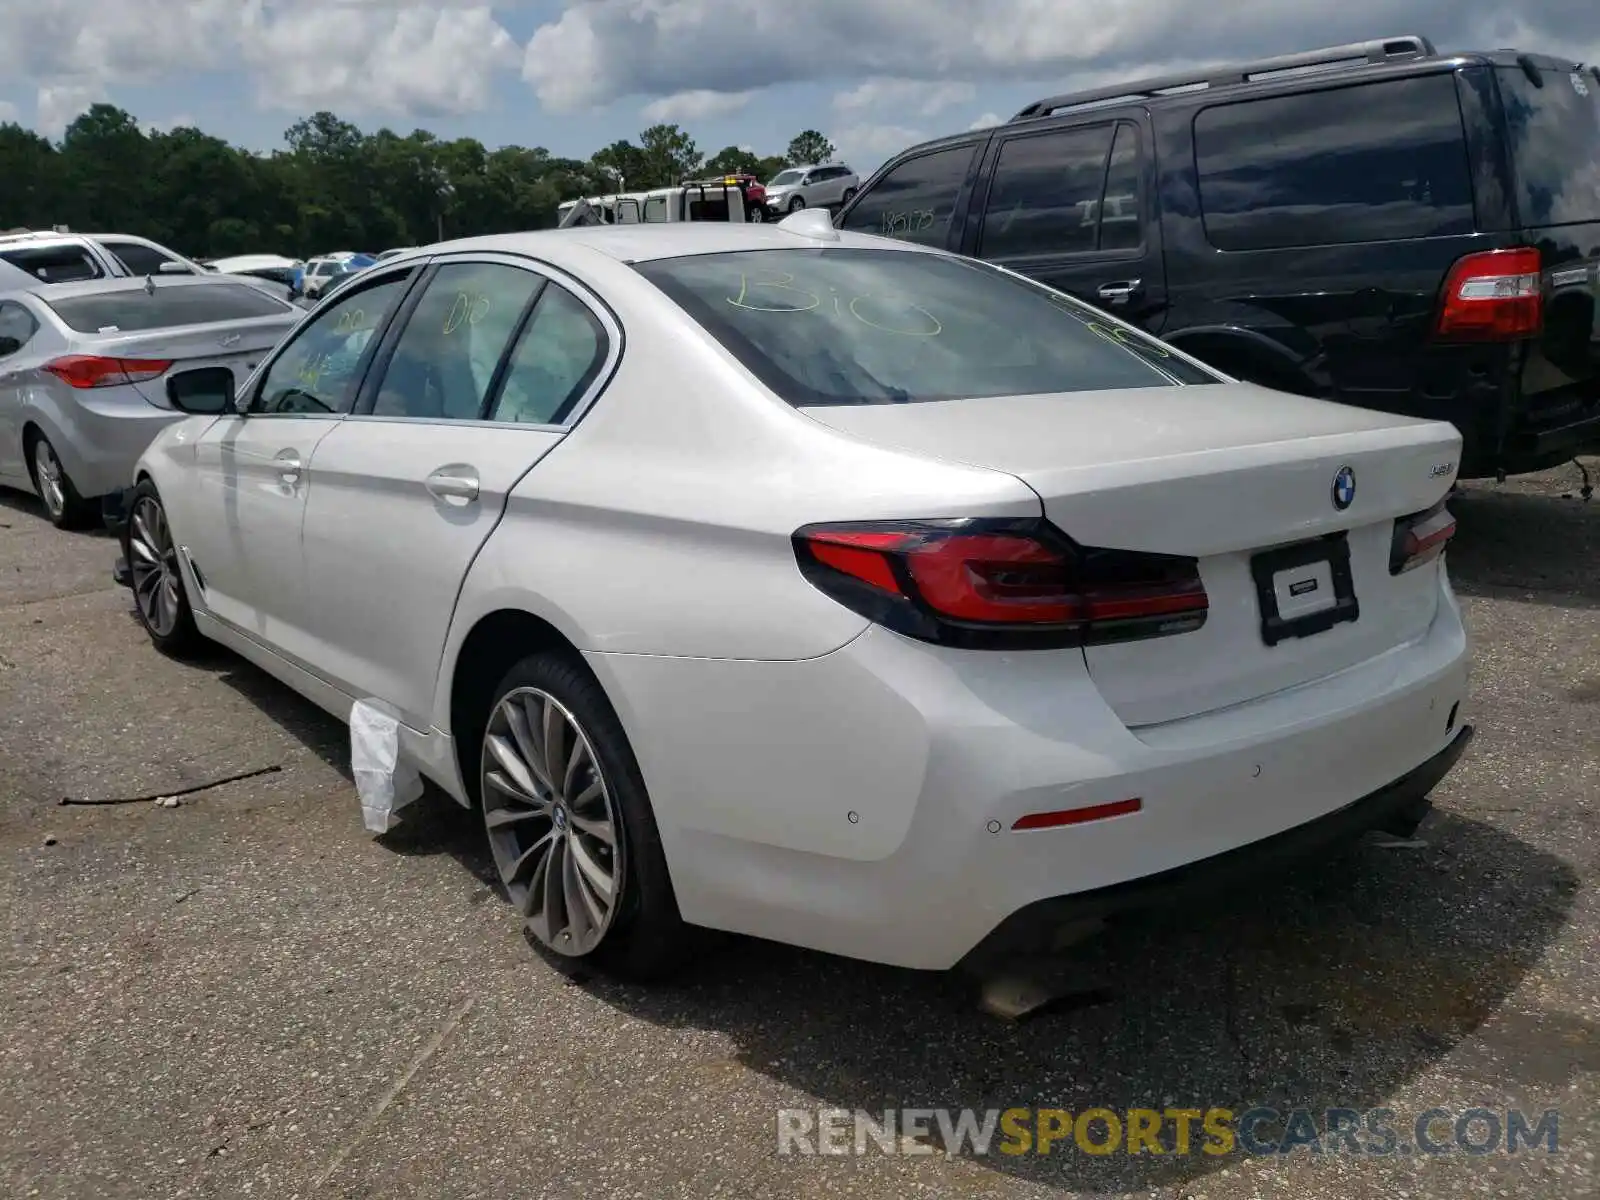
x: 1070, y: 205
x: 1553, y: 139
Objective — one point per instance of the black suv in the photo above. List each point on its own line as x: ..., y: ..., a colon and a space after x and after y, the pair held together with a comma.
x: 1375, y: 223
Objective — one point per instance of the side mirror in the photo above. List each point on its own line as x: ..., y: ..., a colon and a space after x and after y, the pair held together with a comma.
x: 8, y: 346
x: 173, y: 268
x: 203, y: 391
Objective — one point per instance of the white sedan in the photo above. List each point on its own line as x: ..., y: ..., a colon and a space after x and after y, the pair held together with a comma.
x: 816, y: 586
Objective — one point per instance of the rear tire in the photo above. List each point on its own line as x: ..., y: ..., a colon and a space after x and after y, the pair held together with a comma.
x: 159, y: 596
x: 62, y: 503
x: 756, y: 213
x: 849, y: 195
x: 570, y: 825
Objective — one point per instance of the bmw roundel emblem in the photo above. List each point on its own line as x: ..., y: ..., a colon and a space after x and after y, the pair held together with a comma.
x: 1344, y: 488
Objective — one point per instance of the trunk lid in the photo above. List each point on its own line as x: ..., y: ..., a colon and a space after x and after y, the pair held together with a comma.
x: 1221, y: 473
x: 189, y: 321
x: 1554, y: 143
x: 237, y: 345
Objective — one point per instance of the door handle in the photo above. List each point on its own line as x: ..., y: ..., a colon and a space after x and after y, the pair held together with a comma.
x: 1120, y: 293
x: 288, y: 464
x: 456, y: 484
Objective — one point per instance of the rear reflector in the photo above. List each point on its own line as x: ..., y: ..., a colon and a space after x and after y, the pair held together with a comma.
x: 92, y: 371
x: 980, y: 583
x: 1494, y: 296
x: 1078, y: 816
x: 1420, y: 538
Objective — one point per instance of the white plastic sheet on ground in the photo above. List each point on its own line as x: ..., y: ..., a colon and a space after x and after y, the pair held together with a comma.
x: 384, y: 783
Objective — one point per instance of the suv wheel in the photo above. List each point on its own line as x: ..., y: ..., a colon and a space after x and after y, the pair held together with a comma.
x: 796, y: 204
x: 849, y: 195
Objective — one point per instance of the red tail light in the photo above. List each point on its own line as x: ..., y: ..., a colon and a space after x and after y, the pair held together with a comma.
x: 1494, y: 296
x: 1420, y: 538
x: 980, y: 583
x: 91, y: 371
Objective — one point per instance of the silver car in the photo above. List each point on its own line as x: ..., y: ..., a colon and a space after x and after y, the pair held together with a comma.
x: 824, y: 186
x: 82, y: 367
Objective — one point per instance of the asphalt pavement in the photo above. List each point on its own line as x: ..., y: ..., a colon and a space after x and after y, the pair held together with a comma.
x: 247, y: 995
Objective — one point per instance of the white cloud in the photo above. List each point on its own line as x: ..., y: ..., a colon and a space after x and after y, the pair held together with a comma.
x: 902, y: 97
x: 988, y: 120
x: 367, y: 57
x: 389, y: 57
x: 864, y: 146
x: 61, y: 104
x: 596, y: 50
x: 694, y: 105
x: 8, y: 111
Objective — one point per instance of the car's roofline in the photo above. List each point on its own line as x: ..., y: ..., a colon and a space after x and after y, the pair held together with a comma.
x: 648, y: 242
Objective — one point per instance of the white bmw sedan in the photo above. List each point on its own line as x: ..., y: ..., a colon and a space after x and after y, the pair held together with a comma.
x: 816, y: 586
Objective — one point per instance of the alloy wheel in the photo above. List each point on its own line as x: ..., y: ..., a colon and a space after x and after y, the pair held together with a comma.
x: 47, y: 472
x: 153, y: 561
x: 553, y: 826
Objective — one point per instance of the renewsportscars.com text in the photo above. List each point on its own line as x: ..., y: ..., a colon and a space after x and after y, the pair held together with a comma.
x: 1174, y: 1131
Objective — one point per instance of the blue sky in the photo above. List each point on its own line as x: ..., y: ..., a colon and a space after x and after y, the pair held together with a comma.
x: 574, y: 75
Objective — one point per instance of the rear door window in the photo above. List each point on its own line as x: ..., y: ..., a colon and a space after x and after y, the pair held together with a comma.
x: 445, y: 358
x: 915, y: 200
x: 559, y: 354
x: 131, y: 309
x: 1554, y: 132
x: 1045, y: 198
x: 1372, y: 163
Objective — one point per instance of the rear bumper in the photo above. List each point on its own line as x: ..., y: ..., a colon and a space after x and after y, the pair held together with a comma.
x: 103, y: 439
x: 864, y: 803
x: 1540, y: 449
x: 1395, y: 808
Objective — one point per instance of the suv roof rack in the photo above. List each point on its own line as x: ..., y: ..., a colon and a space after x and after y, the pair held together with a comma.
x: 1306, y: 62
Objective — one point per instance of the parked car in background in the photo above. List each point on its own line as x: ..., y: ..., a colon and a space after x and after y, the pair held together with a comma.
x: 83, y: 368
x: 318, y: 274
x: 963, y: 601
x: 271, y: 268
x: 824, y: 186
x: 67, y: 256
x: 1376, y: 223
x: 719, y: 199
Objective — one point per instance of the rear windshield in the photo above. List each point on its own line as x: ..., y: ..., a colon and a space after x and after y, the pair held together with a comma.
x: 1555, y: 144
x: 134, y: 309
x: 858, y: 326
x: 53, y: 264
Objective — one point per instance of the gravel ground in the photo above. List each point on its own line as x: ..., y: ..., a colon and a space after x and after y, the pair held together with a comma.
x: 248, y: 995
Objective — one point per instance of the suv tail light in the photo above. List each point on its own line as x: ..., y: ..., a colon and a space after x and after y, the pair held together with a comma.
x: 91, y: 371
x: 1494, y: 296
x: 998, y: 583
x: 1420, y: 538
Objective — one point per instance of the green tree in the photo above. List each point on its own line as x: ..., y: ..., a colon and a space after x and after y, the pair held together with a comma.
x: 731, y: 160
x: 807, y: 148
x: 670, y: 156
x: 331, y: 186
